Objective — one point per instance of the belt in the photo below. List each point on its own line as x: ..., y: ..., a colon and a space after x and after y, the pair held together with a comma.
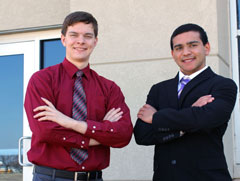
x: 76, y: 176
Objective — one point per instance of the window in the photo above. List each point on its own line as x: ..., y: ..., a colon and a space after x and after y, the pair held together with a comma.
x: 16, y: 67
x: 238, y: 31
x: 11, y: 77
x: 238, y: 13
x: 52, y: 52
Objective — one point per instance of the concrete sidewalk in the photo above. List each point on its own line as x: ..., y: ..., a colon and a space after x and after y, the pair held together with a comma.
x: 11, y: 177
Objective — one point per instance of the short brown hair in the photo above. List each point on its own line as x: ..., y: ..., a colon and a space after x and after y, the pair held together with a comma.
x: 79, y: 16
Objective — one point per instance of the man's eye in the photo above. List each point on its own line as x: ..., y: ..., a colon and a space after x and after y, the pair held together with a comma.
x: 193, y: 45
x: 88, y: 36
x: 178, y: 48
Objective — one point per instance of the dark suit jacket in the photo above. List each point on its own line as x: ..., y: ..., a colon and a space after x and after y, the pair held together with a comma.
x: 198, y: 154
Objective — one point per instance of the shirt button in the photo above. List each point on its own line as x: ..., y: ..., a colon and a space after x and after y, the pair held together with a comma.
x: 173, y: 162
x: 83, y: 142
x: 94, y: 127
x: 83, y: 167
x: 93, y: 131
x: 111, y: 130
x: 64, y: 138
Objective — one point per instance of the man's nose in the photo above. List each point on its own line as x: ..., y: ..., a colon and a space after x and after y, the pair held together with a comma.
x: 186, y: 51
x: 81, y: 39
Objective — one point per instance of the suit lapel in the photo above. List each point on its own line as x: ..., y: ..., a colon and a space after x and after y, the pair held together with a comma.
x: 206, y: 74
x: 171, y: 89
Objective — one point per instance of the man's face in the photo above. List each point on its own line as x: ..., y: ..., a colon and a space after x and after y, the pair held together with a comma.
x: 79, y: 42
x: 189, y: 52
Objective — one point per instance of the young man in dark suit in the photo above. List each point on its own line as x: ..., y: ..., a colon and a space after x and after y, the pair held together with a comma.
x: 187, y: 116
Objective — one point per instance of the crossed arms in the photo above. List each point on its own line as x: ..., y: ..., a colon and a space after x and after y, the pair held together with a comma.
x: 157, y: 126
x: 49, y: 113
x: 146, y: 112
x: 114, y: 129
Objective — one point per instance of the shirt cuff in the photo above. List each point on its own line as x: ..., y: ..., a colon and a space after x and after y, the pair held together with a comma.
x: 95, y: 127
x: 80, y: 142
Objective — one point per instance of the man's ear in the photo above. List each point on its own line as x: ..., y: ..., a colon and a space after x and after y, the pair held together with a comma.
x: 207, y: 48
x: 172, y: 53
x: 96, y: 41
x: 63, y: 39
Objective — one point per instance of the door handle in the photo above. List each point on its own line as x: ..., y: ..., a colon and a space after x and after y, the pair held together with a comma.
x: 22, y: 150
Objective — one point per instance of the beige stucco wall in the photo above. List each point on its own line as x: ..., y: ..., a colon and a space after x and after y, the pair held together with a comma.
x: 133, y: 50
x: 140, y: 29
x: 223, y: 28
x: 17, y: 14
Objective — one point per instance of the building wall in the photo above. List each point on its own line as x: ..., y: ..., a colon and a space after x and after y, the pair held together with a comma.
x: 16, y: 14
x: 133, y: 50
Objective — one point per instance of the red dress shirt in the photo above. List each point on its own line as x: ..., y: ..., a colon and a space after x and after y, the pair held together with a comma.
x: 51, y: 143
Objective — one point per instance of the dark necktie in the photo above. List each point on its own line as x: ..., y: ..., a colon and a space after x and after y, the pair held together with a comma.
x: 79, y: 112
x: 183, y: 82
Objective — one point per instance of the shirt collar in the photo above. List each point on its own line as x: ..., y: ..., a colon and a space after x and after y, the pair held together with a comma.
x: 181, y: 75
x: 71, y: 69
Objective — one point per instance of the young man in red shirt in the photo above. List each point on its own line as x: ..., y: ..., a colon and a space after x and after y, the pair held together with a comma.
x: 64, y: 146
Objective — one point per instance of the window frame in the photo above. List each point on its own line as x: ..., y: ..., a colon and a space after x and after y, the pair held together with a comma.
x: 28, y: 50
x: 33, y: 40
x: 235, y: 36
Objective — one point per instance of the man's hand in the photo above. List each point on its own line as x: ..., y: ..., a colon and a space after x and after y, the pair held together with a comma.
x: 202, y: 101
x: 113, y: 115
x: 146, y: 113
x: 49, y: 113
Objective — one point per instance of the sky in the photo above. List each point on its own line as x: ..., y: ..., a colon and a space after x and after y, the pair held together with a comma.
x: 4, y: 152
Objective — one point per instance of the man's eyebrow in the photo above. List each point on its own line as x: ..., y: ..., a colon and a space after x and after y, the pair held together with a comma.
x: 191, y: 42
x: 177, y: 45
x: 188, y: 43
x: 73, y: 32
x: 89, y: 34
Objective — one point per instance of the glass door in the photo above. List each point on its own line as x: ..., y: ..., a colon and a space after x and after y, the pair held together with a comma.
x: 16, y: 67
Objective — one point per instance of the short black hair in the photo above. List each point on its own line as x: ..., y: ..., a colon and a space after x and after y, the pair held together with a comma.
x: 79, y: 16
x: 189, y: 27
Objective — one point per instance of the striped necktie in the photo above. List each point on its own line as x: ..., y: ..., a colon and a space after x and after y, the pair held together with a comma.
x: 182, y: 82
x: 79, y: 112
